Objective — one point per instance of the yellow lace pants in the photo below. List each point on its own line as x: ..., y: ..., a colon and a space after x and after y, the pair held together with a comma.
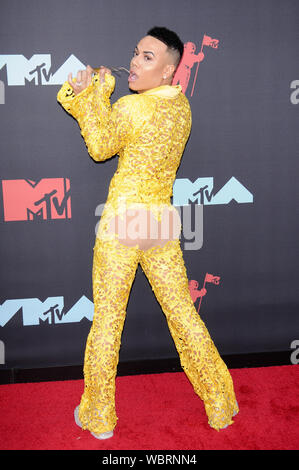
x: 114, y: 269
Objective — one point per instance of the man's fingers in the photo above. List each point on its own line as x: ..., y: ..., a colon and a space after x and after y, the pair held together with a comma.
x: 102, y: 72
x: 89, y: 70
x: 83, y: 79
x: 75, y: 87
x: 89, y: 73
x: 102, y: 75
x: 70, y: 79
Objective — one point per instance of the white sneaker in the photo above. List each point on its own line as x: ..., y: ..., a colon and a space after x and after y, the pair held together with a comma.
x: 104, y: 435
x: 234, y: 414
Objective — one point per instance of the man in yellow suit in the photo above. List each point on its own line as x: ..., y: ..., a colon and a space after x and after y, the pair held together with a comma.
x: 148, y: 130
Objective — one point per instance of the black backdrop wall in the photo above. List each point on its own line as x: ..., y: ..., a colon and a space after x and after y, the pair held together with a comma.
x: 241, y: 164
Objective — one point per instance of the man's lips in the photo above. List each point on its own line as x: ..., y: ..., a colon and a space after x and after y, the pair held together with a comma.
x: 133, y: 76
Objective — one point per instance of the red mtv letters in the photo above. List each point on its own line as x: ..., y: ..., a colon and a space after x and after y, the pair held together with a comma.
x: 47, y: 199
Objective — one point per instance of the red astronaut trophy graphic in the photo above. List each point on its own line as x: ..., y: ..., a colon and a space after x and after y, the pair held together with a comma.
x: 182, y: 75
x: 196, y: 293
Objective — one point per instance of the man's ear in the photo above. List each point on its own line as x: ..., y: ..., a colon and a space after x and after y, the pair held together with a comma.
x: 169, y: 70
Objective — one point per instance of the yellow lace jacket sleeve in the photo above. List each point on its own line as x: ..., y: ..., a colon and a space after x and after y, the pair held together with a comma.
x: 106, y: 129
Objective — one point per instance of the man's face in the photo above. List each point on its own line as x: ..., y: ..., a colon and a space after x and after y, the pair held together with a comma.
x: 151, y: 60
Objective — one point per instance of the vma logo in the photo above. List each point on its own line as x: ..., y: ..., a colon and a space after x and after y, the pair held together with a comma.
x: 38, y: 69
x: 202, y: 192
x: 46, y: 199
x: 51, y: 311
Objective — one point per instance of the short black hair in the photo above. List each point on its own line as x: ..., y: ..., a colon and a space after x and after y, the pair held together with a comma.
x: 170, y: 38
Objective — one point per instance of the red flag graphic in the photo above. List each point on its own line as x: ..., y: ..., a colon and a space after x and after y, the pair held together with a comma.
x: 212, y: 278
x: 208, y: 41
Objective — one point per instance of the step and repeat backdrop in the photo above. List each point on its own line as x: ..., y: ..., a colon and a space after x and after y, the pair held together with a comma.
x: 236, y: 187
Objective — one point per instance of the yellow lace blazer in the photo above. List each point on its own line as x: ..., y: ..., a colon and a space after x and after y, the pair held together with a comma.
x: 148, y: 131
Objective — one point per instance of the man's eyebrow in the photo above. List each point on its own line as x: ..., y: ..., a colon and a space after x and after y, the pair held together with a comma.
x: 145, y: 52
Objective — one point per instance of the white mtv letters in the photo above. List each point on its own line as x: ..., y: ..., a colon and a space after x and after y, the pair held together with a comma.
x: 50, y: 311
x: 37, y: 69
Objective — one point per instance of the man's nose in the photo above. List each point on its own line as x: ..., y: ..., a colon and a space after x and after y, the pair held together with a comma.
x: 135, y: 62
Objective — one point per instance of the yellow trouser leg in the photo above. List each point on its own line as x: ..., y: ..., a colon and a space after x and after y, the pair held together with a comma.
x: 114, y: 268
x: 211, y: 380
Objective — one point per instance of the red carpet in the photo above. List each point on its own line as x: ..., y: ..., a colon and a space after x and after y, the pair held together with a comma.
x: 156, y: 412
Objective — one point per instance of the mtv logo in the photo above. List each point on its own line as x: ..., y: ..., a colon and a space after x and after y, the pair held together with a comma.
x: 202, y: 192
x: 47, y: 199
x: 37, y: 69
x: 50, y: 311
